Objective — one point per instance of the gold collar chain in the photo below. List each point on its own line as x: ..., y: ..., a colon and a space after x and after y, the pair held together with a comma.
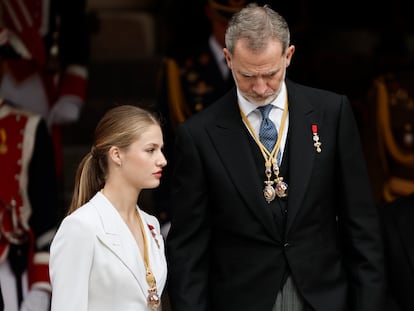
x: 280, y: 189
x: 153, y: 299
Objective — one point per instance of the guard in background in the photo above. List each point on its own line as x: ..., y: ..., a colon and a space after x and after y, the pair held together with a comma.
x: 196, y: 76
x: 28, y: 209
x: 390, y: 150
x: 193, y: 77
x: 44, y: 52
x: 390, y: 139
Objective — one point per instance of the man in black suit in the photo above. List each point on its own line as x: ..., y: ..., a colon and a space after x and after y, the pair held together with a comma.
x: 272, y: 210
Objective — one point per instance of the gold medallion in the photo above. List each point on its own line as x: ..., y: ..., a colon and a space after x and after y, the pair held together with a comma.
x: 278, y: 186
x: 281, y: 188
x: 153, y: 300
x: 269, y: 192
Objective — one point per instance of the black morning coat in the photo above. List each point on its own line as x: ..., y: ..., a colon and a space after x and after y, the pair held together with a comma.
x: 226, y: 248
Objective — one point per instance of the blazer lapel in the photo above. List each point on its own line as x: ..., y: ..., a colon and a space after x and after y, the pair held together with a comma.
x: 230, y: 137
x: 117, y: 237
x: 301, y: 150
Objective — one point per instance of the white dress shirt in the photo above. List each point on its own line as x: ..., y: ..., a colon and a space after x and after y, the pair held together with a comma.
x: 255, y: 117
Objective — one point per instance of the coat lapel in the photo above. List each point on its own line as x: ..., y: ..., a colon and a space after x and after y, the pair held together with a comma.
x: 230, y: 137
x: 301, y: 150
x: 117, y: 237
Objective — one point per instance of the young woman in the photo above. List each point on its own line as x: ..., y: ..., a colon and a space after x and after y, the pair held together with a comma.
x: 108, y: 254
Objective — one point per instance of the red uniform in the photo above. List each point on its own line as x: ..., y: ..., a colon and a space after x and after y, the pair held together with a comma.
x: 44, y: 55
x: 28, y: 203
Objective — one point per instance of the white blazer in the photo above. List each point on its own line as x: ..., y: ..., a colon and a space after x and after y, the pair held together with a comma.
x: 95, y: 263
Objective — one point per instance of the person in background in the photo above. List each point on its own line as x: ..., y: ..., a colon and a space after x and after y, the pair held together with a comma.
x: 196, y: 76
x: 28, y: 209
x: 108, y: 253
x: 191, y: 78
x: 389, y: 133
x: 271, y: 203
x: 44, y: 54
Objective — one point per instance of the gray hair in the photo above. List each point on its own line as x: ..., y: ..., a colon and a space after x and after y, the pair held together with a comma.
x: 257, y: 25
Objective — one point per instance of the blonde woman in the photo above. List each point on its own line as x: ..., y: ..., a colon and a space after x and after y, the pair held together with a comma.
x: 108, y: 253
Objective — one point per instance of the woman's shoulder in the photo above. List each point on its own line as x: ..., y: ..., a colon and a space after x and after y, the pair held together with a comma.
x: 85, y: 215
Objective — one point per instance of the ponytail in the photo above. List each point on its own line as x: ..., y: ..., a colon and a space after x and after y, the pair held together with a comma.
x: 88, y: 181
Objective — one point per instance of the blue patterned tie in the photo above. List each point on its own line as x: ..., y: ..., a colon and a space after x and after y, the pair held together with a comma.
x: 268, y: 132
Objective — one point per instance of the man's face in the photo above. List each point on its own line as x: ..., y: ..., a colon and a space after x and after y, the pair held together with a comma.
x: 259, y: 74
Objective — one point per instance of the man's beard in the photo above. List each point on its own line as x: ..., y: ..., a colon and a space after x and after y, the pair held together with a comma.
x: 260, y: 100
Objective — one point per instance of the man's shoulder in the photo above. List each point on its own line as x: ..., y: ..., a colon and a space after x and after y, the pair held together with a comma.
x: 317, y: 90
x: 317, y: 97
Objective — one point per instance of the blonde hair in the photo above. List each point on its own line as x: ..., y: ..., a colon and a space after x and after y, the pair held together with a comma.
x: 120, y: 126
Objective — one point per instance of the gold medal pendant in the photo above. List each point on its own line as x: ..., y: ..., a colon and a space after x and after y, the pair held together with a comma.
x: 269, y: 192
x: 153, y: 300
x: 281, y: 187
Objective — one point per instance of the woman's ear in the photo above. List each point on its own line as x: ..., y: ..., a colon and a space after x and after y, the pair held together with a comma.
x: 115, y: 155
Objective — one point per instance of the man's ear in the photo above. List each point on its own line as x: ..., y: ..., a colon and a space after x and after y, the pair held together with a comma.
x: 227, y: 55
x: 289, y: 53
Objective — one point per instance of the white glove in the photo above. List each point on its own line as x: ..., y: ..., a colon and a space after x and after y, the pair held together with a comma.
x: 65, y: 110
x: 36, y: 300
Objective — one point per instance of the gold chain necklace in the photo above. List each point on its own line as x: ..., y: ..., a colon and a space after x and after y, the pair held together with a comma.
x: 277, y: 186
x: 153, y: 299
